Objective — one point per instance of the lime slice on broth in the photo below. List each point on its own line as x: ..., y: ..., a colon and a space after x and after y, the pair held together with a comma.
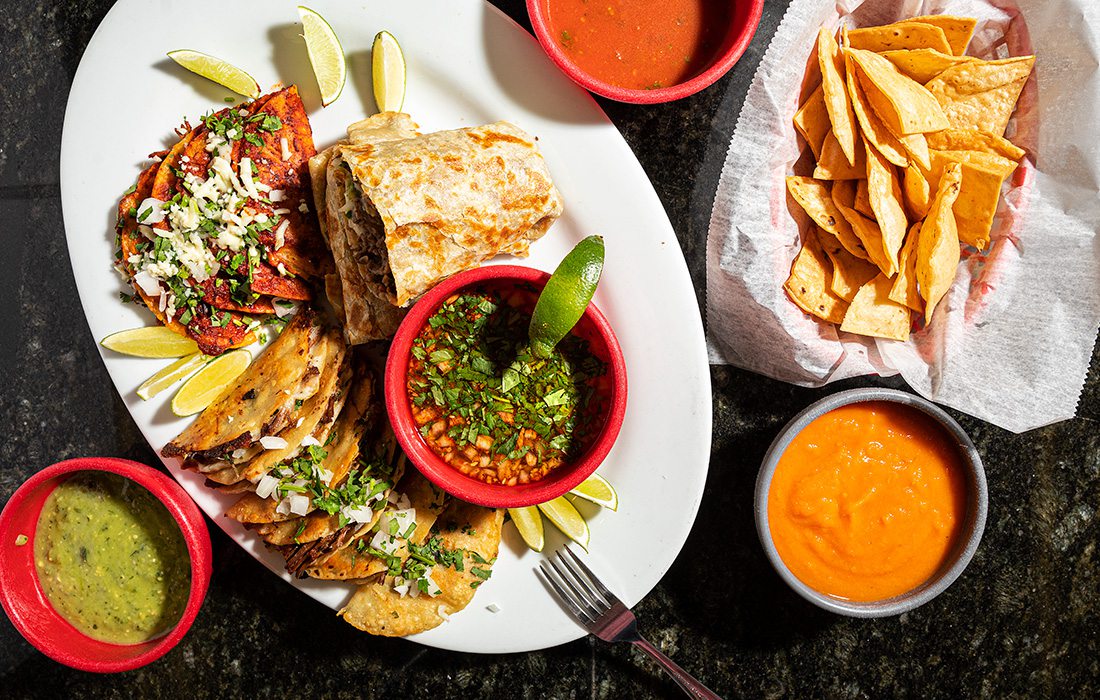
x: 210, y: 382
x: 566, y: 295
x: 150, y: 341
x: 221, y: 72
x: 325, y: 54
x: 568, y: 519
x: 598, y: 490
x: 529, y: 524
x: 177, y: 371
x: 388, y: 73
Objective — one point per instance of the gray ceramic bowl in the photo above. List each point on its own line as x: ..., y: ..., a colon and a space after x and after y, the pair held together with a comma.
x: 973, y: 521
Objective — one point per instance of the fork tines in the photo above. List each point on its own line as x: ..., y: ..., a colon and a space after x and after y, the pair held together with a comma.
x: 575, y: 584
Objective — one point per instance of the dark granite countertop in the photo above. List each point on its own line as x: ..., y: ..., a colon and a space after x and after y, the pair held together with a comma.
x: 1021, y: 622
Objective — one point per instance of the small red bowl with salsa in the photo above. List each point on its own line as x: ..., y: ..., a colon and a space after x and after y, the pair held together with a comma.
x: 483, y: 420
x: 644, y: 51
x: 27, y: 599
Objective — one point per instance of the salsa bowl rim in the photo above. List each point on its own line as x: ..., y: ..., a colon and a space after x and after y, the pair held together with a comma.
x: 21, y: 594
x: 972, y: 525
x: 739, y: 36
x: 562, y: 479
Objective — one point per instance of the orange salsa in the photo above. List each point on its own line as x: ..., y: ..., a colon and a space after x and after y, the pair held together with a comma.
x: 867, y: 501
x: 640, y: 44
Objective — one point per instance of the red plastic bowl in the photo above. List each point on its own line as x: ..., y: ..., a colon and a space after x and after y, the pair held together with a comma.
x: 21, y: 593
x: 593, y: 327
x: 744, y: 19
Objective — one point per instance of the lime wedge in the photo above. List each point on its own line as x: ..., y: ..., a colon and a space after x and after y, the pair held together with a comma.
x: 325, y: 53
x: 529, y: 523
x: 567, y: 519
x: 223, y: 73
x: 151, y: 341
x: 388, y: 71
x: 178, y: 370
x: 566, y: 295
x: 208, y: 383
x: 599, y: 491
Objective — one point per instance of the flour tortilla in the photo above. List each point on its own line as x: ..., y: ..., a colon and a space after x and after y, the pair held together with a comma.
x: 404, y: 210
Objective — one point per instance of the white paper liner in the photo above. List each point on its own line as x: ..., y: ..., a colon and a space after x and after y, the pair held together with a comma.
x: 1012, y: 340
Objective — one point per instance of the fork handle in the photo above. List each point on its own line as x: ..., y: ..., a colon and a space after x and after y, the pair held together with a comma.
x: 685, y: 680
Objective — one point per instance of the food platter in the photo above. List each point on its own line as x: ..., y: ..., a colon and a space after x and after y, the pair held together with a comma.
x: 468, y: 64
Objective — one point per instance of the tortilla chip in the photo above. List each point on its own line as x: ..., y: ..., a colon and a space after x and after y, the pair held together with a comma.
x: 378, y: 609
x: 916, y: 145
x: 958, y: 30
x: 938, y: 246
x: 901, y: 35
x: 814, y: 198
x: 872, y: 128
x: 862, y: 202
x: 905, y: 289
x: 884, y: 192
x: 812, y: 121
x: 980, y: 192
x: 834, y: 166
x: 873, y: 313
x: 923, y: 64
x: 917, y: 192
x: 864, y: 228
x: 837, y: 103
x: 972, y: 140
x: 981, y: 94
x: 808, y: 284
x: 849, y: 272
x: 903, y: 104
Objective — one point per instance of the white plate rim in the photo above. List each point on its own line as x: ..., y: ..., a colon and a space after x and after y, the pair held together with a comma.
x: 549, y: 626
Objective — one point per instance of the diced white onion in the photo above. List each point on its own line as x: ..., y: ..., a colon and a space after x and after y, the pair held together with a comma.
x: 267, y: 485
x: 239, y: 453
x: 149, y: 284
x: 401, y: 590
x: 280, y: 234
x: 442, y: 612
x: 360, y: 514
x: 383, y: 542
x: 284, y: 145
x: 404, y: 502
x: 283, y: 307
x: 284, y: 507
x: 272, y: 442
x: 155, y: 207
x: 299, y: 504
x: 276, y: 195
x: 310, y: 441
x: 433, y: 588
x: 493, y: 608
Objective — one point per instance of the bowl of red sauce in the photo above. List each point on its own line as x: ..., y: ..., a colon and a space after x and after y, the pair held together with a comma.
x: 106, y: 563
x: 478, y: 414
x: 871, y: 502
x: 644, y: 51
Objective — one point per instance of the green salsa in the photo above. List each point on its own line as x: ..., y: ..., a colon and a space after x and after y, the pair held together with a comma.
x: 111, y: 559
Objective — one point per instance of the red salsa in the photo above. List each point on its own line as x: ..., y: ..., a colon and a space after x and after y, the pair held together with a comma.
x: 486, y: 405
x: 640, y: 44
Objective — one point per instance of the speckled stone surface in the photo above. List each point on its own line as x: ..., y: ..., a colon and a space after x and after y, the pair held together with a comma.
x: 1022, y: 622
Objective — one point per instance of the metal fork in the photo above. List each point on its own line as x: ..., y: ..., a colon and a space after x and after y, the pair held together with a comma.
x: 604, y: 615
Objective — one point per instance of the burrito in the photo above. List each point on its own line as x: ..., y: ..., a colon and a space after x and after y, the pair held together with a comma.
x: 400, y: 210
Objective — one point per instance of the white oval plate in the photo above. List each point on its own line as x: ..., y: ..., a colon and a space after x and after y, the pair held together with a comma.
x: 468, y: 64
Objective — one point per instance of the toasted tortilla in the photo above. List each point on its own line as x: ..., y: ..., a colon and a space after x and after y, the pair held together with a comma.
x: 981, y: 95
x: 873, y: 130
x: 974, y: 140
x: 873, y: 313
x: 849, y: 272
x: 864, y: 228
x: 837, y: 103
x: 905, y: 289
x: 938, y: 247
x: 815, y: 199
x: 924, y: 64
x: 812, y: 121
x: 376, y: 608
x: 982, y: 177
x: 899, y: 36
x: 958, y: 30
x: 808, y: 285
x: 404, y: 211
x: 903, y: 104
x: 261, y: 402
x: 884, y: 191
